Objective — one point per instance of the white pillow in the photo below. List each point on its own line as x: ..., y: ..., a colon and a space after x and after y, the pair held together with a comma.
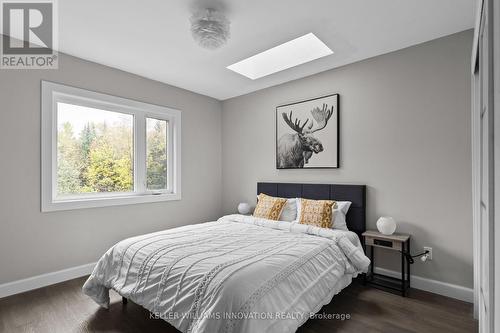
x: 338, y: 215
x: 289, y: 212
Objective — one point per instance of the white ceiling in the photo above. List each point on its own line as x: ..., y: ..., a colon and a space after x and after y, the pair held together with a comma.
x: 152, y: 38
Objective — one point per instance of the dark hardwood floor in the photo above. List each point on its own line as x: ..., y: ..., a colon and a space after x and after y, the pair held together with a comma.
x: 63, y: 308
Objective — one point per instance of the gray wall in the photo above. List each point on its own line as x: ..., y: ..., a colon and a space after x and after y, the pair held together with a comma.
x: 32, y: 242
x: 405, y: 132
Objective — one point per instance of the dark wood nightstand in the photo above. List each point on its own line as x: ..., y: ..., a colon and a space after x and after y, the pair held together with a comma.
x: 394, y: 242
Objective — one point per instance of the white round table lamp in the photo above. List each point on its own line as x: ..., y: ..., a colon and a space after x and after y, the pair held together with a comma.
x: 386, y: 225
x: 244, y: 208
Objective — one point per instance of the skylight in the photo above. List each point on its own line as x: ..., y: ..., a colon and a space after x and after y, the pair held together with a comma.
x: 290, y: 54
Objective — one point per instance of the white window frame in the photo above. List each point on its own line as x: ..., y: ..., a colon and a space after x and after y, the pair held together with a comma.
x: 52, y: 93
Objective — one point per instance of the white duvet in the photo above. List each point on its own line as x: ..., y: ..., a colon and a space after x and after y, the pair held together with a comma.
x: 239, y: 274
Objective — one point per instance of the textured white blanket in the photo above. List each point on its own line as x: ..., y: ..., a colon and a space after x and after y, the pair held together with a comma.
x: 239, y: 274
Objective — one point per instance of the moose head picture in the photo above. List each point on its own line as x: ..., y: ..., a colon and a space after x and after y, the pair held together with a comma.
x: 307, y: 134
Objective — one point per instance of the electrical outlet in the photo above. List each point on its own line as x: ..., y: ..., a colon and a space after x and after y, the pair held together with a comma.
x: 426, y: 248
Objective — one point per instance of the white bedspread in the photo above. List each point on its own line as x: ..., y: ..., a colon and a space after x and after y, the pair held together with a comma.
x: 239, y: 274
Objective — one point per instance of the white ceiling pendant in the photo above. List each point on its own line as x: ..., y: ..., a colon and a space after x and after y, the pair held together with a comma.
x: 290, y: 54
x: 210, y: 28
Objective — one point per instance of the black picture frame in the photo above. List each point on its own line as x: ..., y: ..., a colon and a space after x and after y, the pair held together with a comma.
x: 337, y: 148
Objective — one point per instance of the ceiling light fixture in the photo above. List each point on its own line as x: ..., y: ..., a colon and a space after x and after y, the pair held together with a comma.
x: 290, y: 54
x: 210, y: 28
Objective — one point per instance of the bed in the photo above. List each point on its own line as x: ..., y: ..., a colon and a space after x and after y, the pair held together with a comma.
x: 240, y: 273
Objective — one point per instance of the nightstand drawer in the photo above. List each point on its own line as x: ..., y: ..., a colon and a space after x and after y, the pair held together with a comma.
x: 384, y: 243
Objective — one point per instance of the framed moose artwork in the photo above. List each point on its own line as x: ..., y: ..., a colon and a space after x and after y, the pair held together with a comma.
x: 307, y: 134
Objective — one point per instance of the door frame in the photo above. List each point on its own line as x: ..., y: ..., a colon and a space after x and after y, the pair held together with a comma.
x: 476, y: 154
x: 495, y: 18
x: 494, y: 91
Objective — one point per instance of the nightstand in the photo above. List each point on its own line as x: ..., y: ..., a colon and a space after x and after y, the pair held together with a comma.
x: 394, y: 242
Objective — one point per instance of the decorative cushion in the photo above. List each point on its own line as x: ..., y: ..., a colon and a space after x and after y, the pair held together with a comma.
x: 269, y: 207
x: 317, y: 213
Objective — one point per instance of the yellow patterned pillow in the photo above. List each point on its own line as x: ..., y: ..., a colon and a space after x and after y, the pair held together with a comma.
x: 269, y: 207
x: 317, y: 213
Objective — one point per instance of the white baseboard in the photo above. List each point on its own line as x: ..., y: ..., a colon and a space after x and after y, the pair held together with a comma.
x: 434, y: 286
x: 39, y: 281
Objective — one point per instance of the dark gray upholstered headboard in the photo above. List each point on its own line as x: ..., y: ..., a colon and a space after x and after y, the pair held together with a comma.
x: 356, y: 216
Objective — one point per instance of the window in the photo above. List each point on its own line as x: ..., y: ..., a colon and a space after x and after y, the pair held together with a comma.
x: 156, y: 154
x: 95, y: 151
x: 100, y: 150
